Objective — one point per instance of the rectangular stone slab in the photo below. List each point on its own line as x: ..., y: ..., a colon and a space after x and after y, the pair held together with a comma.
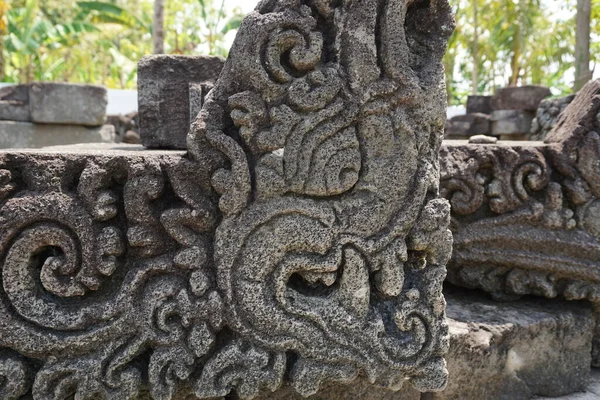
x: 479, y: 104
x: 511, y: 122
x: 516, y: 350
x: 17, y: 135
x: 468, y: 125
x: 525, y: 98
x: 66, y: 103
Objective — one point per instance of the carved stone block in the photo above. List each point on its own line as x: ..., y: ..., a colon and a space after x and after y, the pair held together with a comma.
x: 301, y: 242
x: 547, y: 115
x: 165, y: 102
x: 526, y: 218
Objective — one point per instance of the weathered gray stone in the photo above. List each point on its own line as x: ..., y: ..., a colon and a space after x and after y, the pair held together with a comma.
x: 468, y: 125
x: 300, y: 242
x: 525, y: 98
x: 14, y: 103
x: 358, y: 389
x: 123, y: 123
x: 67, y: 103
x: 164, y: 98
x: 518, y: 350
x: 198, y: 92
x: 18, y: 135
x: 479, y: 105
x: 513, y: 123
x: 592, y: 392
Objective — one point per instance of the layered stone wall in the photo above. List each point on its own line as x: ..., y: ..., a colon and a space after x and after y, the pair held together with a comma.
x: 45, y: 114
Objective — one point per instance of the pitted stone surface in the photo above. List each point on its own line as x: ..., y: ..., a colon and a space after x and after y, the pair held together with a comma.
x: 526, y: 215
x: 547, y: 116
x: 300, y: 244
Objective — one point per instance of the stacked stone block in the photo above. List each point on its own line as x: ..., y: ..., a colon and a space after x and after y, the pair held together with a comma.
x: 508, y: 115
x: 43, y: 114
x: 514, y: 109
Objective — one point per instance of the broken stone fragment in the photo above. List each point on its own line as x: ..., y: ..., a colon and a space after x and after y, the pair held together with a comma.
x: 18, y: 135
x: 525, y: 98
x: 516, y: 350
x: 67, y: 103
x: 165, y: 102
x: 483, y: 139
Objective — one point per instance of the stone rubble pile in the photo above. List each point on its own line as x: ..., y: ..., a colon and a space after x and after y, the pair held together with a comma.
x: 45, y: 114
x: 126, y: 127
x: 508, y: 115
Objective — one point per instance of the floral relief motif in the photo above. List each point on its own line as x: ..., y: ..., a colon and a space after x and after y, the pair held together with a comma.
x: 302, y: 239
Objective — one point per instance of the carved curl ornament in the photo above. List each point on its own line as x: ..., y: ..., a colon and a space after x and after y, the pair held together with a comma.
x: 302, y: 240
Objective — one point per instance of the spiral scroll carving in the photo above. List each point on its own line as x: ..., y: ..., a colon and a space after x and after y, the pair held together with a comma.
x: 301, y: 241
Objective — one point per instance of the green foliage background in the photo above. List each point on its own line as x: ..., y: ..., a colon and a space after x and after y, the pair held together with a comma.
x: 101, y: 41
x: 519, y: 41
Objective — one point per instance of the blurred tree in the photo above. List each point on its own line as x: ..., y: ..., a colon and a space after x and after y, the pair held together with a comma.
x: 582, y: 43
x: 3, y: 11
x: 158, y: 27
x: 513, y: 42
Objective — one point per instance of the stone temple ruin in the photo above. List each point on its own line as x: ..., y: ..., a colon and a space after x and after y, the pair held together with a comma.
x: 300, y: 242
x: 286, y: 230
x: 526, y: 216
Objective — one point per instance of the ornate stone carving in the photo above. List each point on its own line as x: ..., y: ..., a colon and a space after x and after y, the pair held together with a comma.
x: 525, y: 218
x: 301, y: 240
